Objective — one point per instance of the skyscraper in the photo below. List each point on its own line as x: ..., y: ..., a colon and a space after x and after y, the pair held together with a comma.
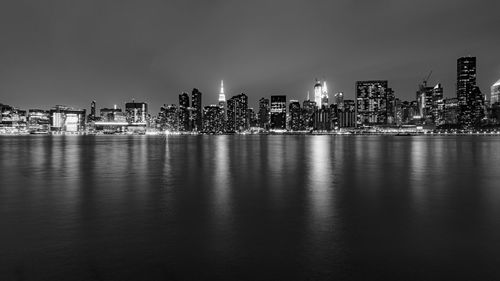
x: 237, y: 107
x: 196, y: 110
x: 438, y: 104
x: 92, y: 116
x: 278, y: 112
x: 183, y: 112
x: 318, y: 93
x: 371, y: 102
x: 295, y: 115
x: 324, y: 95
x: 213, y: 119
x: 264, y: 111
x: 466, y: 82
x: 222, y: 99
x: 136, y: 112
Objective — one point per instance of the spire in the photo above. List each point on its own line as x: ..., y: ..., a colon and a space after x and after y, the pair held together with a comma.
x: 308, y: 96
x: 222, y: 96
x: 325, y: 90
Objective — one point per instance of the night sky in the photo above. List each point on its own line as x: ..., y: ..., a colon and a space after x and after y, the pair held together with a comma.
x: 72, y: 52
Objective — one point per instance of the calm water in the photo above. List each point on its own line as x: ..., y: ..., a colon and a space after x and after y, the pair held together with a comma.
x: 249, y: 208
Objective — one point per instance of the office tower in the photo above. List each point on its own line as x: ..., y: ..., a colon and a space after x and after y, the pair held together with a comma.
x: 466, y: 92
x: 425, y: 102
x: 371, y: 102
x: 495, y: 93
x: 252, y: 118
x: 38, y: 120
x: 295, y: 116
x: 264, y: 111
x: 222, y: 99
x: 278, y: 112
x: 196, y: 110
x: 92, y: 116
x: 391, y: 107
x: 136, y: 112
x: 109, y: 114
x: 183, y: 116
x: 237, y: 113
x: 438, y: 104
x: 318, y: 92
x: 168, y: 118
x: 213, y: 119
x: 324, y: 95
x: 308, y: 109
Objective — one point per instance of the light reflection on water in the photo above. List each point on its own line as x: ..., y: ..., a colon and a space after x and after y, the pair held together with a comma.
x: 249, y: 207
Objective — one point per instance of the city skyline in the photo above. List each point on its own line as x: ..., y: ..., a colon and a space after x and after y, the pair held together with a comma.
x: 110, y: 53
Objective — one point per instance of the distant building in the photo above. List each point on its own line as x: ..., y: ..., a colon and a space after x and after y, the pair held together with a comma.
x: 264, y: 112
x: 213, y: 119
x: 372, y: 102
x: 67, y: 119
x: 278, y: 112
x: 168, y: 118
x: 92, y: 116
x: 318, y: 92
x: 438, y: 104
x: 38, y: 120
x: 324, y: 95
x: 136, y: 112
x: 183, y: 114
x: 222, y: 99
x: 196, y: 110
x: 338, y: 99
x: 237, y: 113
x: 308, y: 109
x: 451, y: 111
x: 470, y: 98
x: 347, y: 114
x: 295, y: 116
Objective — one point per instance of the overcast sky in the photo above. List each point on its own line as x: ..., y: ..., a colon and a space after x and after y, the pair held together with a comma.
x: 72, y: 52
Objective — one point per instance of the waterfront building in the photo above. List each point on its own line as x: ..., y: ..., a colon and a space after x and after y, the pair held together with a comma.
x: 338, y: 99
x: 222, y: 99
x: 213, y: 119
x: 38, y: 120
x: 67, y: 119
x: 264, y: 112
x: 308, y: 109
x: 295, y: 116
x: 252, y: 118
x: 438, y: 104
x: 324, y: 95
x: 451, y: 111
x: 470, y: 98
x: 371, y: 102
x: 92, y: 116
x: 278, y: 112
x: 196, y: 110
x: 183, y: 114
x: 237, y: 119
x: 347, y: 114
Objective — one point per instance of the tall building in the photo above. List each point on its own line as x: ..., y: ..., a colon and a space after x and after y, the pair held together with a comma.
x: 92, y: 116
x: 451, y: 111
x: 278, y: 112
x: 213, y: 119
x: 237, y: 113
x: 324, y: 95
x: 425, y: 101
x: 222, y: 99
x: 68, y: 119
x: 308, y: 109
x: 295, y: 116
x: 196, y: 110
x: 371, y: 102
x: 264, y: 111
x: 347, y: 114
x: 183, y: 115
x: 168, y: 118
x: 136, y: 112
x: 318, y: 92
x: 495, y: 93
x: 338, y: 99
x: 438, y: 104
x: 469, y: 97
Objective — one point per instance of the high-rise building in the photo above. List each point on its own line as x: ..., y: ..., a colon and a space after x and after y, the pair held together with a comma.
x: 308, y: 109
x: 222, y: 99
x: 68, y: 119
x: 318, y: 92
x: 183, y: 115
x: 438, y: 104
x: 213, y: 119
x: 495, y: 93
x: 168, y: 118
x: 371, y: 102
x: 470, y: 99
x: 264, y: 111
x: 295, y: 116
x: 324, y: 95
x: 425, y: 101
x: 136, y: 112
x: 347, y: 114
x: 338, y: 99
x: 92, y: 116
x: 237, y: 113
x: 278, y: 112
x: 451, y: 111
x: 196, y: 110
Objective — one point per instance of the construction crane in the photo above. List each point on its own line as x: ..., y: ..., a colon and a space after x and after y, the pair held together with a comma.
x: 426, y: 79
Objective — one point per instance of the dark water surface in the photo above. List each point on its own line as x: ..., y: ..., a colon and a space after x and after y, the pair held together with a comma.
x: 249, y: 208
